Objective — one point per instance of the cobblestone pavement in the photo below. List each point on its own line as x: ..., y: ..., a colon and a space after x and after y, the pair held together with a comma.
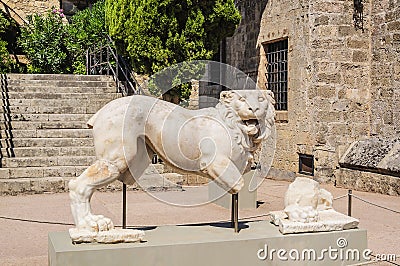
x: 25, y: 242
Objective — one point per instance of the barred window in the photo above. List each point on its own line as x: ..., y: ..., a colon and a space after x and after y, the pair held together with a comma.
x: 277, y: 76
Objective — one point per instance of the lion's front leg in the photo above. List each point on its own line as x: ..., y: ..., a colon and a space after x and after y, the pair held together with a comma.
x: 224, y: 172
x: 81, y: 190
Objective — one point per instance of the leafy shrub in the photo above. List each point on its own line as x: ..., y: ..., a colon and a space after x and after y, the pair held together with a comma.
x: 53, y: 46
x: 7, y: 64
x: 44, y: 42
x: 86, y: 28
x: 159, y: 33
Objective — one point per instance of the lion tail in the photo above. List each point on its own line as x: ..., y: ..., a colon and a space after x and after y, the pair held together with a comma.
x: 91, y: 121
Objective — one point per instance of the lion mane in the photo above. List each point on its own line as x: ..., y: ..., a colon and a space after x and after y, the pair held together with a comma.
x: 247, y: 143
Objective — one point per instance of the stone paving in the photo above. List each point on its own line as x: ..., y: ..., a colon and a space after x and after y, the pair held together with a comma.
x: 25, y: 243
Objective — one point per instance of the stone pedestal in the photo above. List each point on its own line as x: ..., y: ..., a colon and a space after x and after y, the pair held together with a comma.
x: 247, y: 199
x: 257, y: 243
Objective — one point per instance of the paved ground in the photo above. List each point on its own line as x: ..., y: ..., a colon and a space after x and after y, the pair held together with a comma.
x: 25, y: 242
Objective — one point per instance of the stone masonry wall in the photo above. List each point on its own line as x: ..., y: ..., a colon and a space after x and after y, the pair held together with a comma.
x: 343, y: 82
x: 241, y: 48
x: 339, y: 92
x: 294, y: 125
x: 24, y: 7
x: 385, y: 68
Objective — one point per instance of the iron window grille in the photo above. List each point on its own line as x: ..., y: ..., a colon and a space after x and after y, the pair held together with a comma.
x: 277, y: 72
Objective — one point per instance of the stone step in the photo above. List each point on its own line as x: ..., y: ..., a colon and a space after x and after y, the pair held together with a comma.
x: 58, y: 96
x: 33, y: 125
x: 21, y: 109
x: 46, y: 117
x: 33, y: 185
x: 47, y: 161
x: 48, y: 133
x: 60, y: 171
x: 51, y: 151
x: 27, y: 109
x: 38, y: 172
x: 52, y: 89
x: 14, y: 181
x: 59, y: 77
x: 43, y: 117
x: 92, y: 104
x: 58, y: 83
x: 47, y: 142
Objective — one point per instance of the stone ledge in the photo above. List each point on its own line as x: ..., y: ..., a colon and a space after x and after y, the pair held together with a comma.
x: 368, y: 181
x: 374, y: 155
x: 112, y: 236
x: 329, y: 220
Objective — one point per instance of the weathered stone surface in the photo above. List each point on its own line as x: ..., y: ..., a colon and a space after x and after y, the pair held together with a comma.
x: 381, y: 155
x: 204, y: 147
x: 45, y: 138
x: 107, y: 237
x: 303, y: 192
x: 340, y: 78
x: 309, y: 209
x: 368, y: 181
x: 329, y: 220
x: 304, y: 199
x: 23, y: 8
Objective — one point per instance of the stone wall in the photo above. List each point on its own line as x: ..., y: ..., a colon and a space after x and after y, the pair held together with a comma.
x: 241, y: 48
x: 343, y: 80
x: 338, y: 91
x: 368, y: 181
x: 19, y: 9
x: 385, y: 68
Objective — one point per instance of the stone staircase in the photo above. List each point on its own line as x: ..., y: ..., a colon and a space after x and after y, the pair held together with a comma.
x: 43, y: 133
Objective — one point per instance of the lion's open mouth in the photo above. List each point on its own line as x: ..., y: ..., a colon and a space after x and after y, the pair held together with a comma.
x: 252, y: 126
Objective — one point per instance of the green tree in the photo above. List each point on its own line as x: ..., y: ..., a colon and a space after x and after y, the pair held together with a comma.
x: 44, y: 42
x: 86, y: 28
x: 7, y: 64
x: 159, y: 33
x: 54, y: 46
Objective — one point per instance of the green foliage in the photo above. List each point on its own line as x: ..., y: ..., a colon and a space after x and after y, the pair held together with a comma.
x: 53, y: 46
x: 43, y: 41
x: 4, y: 23
x: 160, y: 33
x: 7, y: 64
x: 86, y: 28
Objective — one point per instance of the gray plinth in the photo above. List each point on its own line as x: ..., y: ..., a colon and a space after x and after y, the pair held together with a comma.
x: 214, y: 244
x: 247, y: 199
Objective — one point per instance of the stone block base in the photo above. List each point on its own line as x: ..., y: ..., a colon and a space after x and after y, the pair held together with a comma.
x: 257, y: 243
x: 368, y: 181
x: 329, y: 220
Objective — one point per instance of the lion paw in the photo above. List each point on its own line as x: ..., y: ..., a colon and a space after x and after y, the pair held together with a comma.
x: 303, y: 214
x: 96, y: 223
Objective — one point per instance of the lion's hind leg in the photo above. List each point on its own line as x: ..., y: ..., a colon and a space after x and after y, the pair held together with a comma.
x: 99, y: 174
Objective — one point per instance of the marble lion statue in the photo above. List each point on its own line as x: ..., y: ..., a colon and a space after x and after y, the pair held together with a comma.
x: 217, y: 143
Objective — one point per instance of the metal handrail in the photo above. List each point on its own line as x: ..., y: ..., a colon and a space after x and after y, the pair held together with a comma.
x: 104, y: 59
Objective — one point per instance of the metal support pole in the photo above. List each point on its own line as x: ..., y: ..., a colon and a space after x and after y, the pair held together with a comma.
x: 235, y: 212
x: 349, y: 202
x: 123, y: 206
x: 88, y: 61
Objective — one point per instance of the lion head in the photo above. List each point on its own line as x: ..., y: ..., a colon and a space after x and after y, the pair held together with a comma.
x: 250, y: 111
